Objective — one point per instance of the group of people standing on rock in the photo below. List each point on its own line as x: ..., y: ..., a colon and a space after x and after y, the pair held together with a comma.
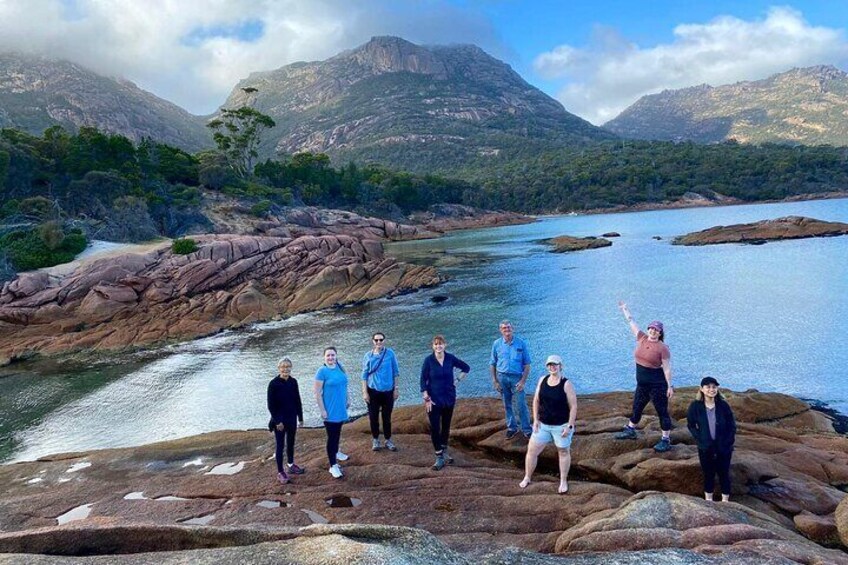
x: 554, y: 406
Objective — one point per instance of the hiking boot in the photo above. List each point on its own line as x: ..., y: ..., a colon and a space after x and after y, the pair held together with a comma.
x: 294, y: 469
x: 390, y: 445
x: 626, y: 433
x: 440, y: 462
x: 527, y: 435
x: 663, y: 445
x: 511, y: 434
x: 282, y: 477
x: 336, y: 471
x: 341, y: 456
x: 375, y: 445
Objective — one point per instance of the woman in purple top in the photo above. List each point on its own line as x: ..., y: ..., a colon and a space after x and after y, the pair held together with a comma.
x: 438, y: 388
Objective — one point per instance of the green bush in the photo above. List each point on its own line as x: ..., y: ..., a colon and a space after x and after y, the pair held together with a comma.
x: 184, y: 246
x: 27, y: 250
x: 260, y: 208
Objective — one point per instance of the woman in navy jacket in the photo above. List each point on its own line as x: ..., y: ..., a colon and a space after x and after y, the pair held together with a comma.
x: 712, y: 424
x: 438, y: 387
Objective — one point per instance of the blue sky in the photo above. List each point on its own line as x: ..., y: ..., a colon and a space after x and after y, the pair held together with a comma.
x: 595, y: 57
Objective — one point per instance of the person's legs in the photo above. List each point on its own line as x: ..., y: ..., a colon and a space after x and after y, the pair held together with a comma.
x: 387, y: 406
x: 507, y: 385
x: 564, y: 467
x: 374, y: 412
x: 334, y: 433
x: 523, y: 411
x: 707, y: 459
x: 659, y: 398
x: 723, y: 469
x: 291, y: 431
x: 280, y: 437
x: 436, y: 427
x: 641, y: 397
x: 447, y: 416
x: 534, y: 449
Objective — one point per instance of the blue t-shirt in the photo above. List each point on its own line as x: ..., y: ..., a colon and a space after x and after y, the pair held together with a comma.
x: 510, y: 358
x: 334, y: 392
x: 380, y: 374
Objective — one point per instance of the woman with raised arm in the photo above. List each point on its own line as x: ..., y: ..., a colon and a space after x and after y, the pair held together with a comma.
x: 653, y: 379
x: 438, y: 388
x: 712, y: 424
x: 286, y: 411
x: 333, y: 402
x: 554, y: 414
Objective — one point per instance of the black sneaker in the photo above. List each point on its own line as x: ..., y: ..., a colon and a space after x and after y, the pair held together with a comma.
x: 663, y: 445
x: 626, y: 433
x: 511, y: 434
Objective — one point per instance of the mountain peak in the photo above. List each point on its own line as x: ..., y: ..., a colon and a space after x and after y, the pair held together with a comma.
x: 390, y: 54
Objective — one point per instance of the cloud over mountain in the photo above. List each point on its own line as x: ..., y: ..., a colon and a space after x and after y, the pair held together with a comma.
x: 601, y: 79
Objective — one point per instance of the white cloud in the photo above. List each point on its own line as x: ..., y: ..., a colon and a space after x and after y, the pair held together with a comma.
x: 602, y: 79
x: 146, y: 42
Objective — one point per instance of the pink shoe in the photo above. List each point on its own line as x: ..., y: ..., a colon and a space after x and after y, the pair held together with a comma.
x: 282, y: 477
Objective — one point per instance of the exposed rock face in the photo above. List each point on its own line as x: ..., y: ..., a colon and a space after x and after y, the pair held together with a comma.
x: 408, y: 106
x: 137, y: 300
x: 567, y: 243
x: 442, y: 218
x: 36, y: 93
x: 806, y: 106
x: 623, y: 497
x: 790, y: 227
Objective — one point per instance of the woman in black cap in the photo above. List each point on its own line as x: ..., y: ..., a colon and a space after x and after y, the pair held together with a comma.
x: 711, y: 423
x: 653, y: 379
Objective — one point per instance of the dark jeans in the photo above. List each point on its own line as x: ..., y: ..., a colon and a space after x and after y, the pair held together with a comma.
x: 656, y: 395
x: 285, y: 439
x: 712, y: 462
x: 440, y: 421
x: 380, y: 401
x: 334, y: 435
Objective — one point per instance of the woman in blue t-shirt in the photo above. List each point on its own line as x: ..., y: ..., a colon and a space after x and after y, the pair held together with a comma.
x: 438, y: 387
x: 331, y: 395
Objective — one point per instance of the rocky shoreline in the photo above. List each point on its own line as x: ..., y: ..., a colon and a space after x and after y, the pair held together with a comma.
x: 626, y: 503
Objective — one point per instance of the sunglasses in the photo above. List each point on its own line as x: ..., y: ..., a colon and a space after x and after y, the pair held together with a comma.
x: 379, y: 339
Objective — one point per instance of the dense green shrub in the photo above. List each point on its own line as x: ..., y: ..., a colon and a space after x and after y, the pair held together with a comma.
x: 27, y: 249
x: 184, y: 246
x: 260, y: 208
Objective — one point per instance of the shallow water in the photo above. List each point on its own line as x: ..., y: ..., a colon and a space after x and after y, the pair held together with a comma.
x: 770, y: 317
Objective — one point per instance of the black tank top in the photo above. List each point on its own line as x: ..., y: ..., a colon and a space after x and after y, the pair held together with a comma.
x: 553, y: 403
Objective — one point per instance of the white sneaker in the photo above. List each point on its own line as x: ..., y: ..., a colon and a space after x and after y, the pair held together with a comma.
x: 336, y: 471
x: 341, y: 456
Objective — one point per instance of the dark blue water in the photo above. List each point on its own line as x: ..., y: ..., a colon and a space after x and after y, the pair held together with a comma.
x: 771, y: 317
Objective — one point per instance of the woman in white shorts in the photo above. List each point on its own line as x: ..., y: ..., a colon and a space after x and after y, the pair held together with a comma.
x: 554, y: 414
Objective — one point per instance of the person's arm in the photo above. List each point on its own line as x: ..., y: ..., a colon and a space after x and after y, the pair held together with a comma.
x: 692, y: 421
x: 365, y: 396
x: 666, y: 367
x: 425, y: 385
x: 298, y: 402
x: 463, y: 367
x: 731, y: 423
x: 536, y: 422
x: 572, y: 407
x: 525, y: 371
x: 629, y: 317
x: 395, y: 375
x: 493, y: 366
x: 319, y: 394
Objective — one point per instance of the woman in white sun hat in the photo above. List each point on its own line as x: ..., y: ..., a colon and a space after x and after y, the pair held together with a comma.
x: 554, y: 414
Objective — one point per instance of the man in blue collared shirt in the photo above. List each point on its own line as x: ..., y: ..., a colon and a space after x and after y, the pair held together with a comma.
x: 510, y: 366
x: 379, y: 389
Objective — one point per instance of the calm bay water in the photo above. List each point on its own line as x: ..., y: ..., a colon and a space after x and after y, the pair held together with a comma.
x: 770, y: 317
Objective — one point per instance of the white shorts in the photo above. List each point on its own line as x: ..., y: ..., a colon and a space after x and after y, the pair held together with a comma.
x: 548, y: 434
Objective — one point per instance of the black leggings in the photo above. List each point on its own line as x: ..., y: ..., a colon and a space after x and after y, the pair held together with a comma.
x: 334, y: 436
x: 656, y: 394
x: 712, y: 462
x: 440, y: 422
x: 285, y: 438
x: 380, y: 401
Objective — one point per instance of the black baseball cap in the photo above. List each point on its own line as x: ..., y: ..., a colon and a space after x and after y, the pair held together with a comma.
x: 709, y: 381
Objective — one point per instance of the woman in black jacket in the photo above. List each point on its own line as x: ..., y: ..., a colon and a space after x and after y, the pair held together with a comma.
x: 286, y: 411
x: 712, y: 424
